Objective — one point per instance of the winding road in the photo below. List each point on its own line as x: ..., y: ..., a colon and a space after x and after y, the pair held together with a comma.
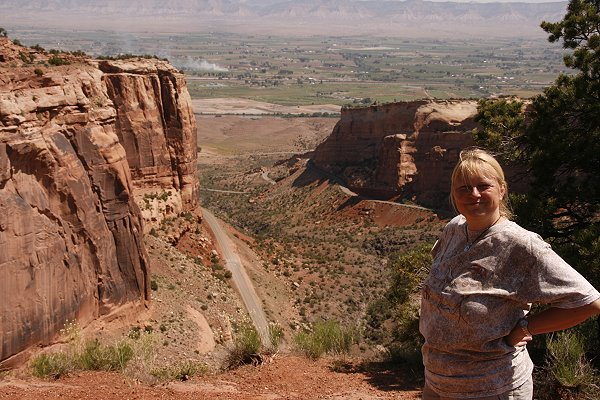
x: 240, y: 278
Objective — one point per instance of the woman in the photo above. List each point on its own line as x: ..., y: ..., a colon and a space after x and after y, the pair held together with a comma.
x: 487, y: 271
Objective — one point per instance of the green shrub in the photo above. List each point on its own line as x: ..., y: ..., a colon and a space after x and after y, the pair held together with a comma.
x: 570, y: 368
x: 55, y: 60
x: 26, y: 57
x: 51, y: 365
x: 276, y: 335
x: 246, y: 348
x: 180, y: 372
x: 98, y: 357
x: 91, y: 355
x: 327, y: 337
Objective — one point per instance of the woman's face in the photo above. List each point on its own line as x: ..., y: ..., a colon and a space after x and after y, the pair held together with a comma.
x: 478, y: 198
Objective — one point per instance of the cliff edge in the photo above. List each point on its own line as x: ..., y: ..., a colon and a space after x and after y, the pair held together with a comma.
x: 399, y: 150
x: 80, y: 141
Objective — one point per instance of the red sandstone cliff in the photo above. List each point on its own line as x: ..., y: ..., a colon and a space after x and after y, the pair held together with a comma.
x: 78, y: 143
x: 156, y: 125
x: 405, y: 149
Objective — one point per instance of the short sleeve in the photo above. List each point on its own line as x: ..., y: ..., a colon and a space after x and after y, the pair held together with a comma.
x: 447, y: 233
x: 551, y: 280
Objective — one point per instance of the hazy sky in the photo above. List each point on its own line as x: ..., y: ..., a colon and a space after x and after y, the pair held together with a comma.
x: 501, y: 1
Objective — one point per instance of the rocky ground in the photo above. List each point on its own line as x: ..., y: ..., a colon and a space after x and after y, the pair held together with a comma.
x: 283, y: 377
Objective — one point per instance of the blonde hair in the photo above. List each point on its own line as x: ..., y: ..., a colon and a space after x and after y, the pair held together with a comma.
x: 474, y: 161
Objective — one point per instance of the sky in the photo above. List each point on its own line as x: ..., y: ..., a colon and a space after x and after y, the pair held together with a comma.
x: 500, y: 1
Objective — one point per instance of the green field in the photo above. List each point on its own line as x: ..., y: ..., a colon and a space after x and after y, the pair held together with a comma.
x: 331, y: 70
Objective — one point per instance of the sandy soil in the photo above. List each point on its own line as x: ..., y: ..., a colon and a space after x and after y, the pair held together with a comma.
x: 252, y: 107
x: 286, y: 377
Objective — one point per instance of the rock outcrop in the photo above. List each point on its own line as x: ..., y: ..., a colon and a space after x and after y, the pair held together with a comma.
x: 156, y: 125
x: 399, y: 150
x: 80, y: 140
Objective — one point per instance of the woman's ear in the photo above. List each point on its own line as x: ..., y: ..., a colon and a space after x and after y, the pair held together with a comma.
x: 502, y: 190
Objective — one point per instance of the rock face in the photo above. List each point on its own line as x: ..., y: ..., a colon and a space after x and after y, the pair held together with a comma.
x: 399, y: 150
x: 78, y: 143
x: 156, y: 125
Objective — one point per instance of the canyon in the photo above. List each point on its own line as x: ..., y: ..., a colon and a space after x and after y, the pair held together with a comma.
x: 95, y: 154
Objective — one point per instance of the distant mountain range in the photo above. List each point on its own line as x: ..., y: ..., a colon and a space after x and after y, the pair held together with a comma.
x: 333, y: 17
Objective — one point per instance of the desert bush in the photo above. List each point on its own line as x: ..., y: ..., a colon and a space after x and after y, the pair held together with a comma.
x: 93, y: 355
x: 574, y: 375
x: 98, y: 357
x: 56, y: 61
x: 26, y: 57
x: 276, y: 335
x: 246, y: 349
x: 326, y: 337
x: 180, y: 371
x: 409, y: 269
x: 393, y: 320
x: 51, y: 365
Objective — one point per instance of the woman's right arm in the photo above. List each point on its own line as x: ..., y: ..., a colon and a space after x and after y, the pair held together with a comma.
x: 551, y: 320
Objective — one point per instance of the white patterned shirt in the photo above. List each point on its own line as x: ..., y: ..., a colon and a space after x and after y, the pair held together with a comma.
x: 474, y: 297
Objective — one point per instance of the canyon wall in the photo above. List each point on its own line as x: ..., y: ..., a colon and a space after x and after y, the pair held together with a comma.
x: 403, y: 150
x: 79, y: 143
x: 155, y: 124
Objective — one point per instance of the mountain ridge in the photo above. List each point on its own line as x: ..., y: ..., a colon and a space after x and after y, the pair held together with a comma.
x: 339, y: 17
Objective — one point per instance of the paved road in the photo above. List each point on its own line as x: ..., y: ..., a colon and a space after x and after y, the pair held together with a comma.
x: 240, y: 279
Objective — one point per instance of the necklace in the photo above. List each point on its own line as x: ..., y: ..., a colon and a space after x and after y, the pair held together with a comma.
x: 469, y: 245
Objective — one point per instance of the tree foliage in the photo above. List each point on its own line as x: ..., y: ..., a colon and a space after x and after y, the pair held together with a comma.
x: 394, y: 319
x: 558, y: 142
x: 502, y: 125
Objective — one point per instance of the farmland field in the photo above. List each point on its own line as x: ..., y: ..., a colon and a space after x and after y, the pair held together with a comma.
x: 331, y: 70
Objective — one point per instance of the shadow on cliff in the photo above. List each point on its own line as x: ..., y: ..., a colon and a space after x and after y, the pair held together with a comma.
x: 386, y: 376
x: 313, y: 175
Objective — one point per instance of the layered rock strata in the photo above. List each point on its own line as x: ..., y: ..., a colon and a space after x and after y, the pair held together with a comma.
x: 78, y: 143
x: 155, y: 124
x: 399, y: 150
